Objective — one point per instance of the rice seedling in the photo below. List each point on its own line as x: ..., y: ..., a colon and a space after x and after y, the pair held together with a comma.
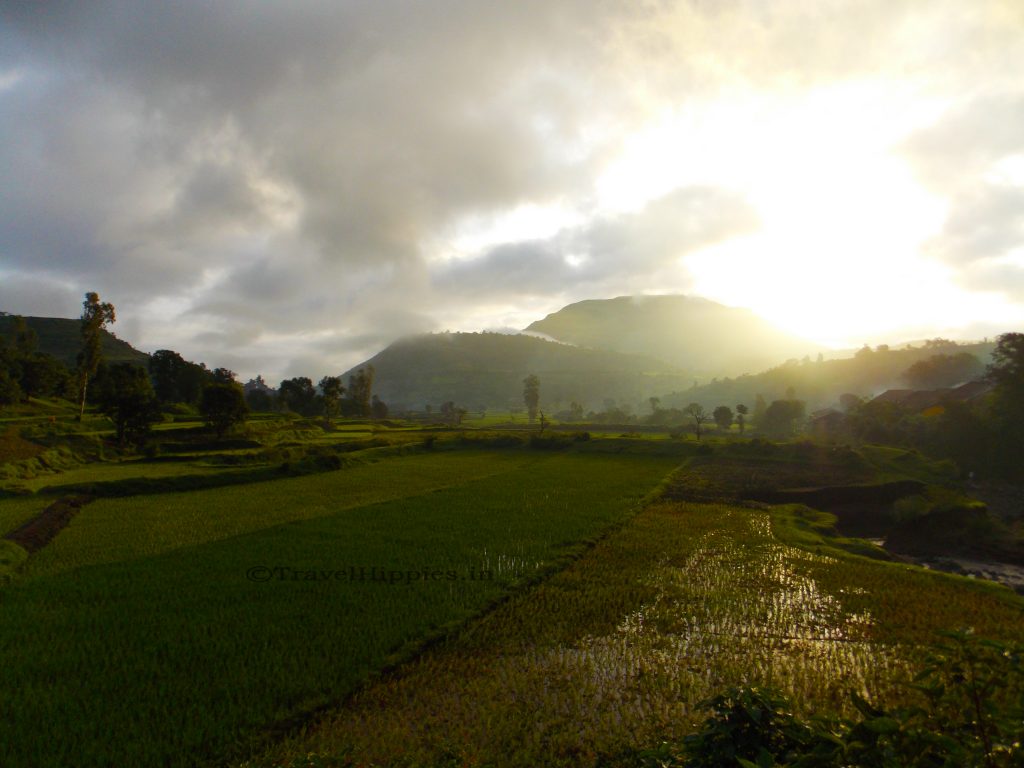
x: 616, y: 653
x: 166, y: 650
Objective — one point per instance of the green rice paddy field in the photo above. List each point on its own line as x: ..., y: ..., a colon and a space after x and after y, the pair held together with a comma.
x: 461, y: 607
x: 614, y: 654
x: 139, y: 637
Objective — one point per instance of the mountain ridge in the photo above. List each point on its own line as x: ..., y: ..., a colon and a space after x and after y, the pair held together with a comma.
x: 690, y: 332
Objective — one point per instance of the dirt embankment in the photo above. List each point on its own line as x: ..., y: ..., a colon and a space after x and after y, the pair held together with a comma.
x: 838, y: 495
x: 41, y: 529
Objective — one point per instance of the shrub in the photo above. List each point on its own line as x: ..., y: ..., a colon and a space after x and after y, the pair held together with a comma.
x: 965, y: 708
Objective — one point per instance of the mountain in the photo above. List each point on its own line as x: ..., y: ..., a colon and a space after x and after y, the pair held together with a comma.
x: 689, y: 332
x: 866, y: 374
x: 60, y: 337
x: 486, y: 370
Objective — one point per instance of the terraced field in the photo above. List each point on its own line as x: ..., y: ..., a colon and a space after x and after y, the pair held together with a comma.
x: 181, y: 628
x: 615, y: 654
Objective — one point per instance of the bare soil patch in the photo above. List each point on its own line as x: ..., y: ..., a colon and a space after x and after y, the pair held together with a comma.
x: 41, y: 529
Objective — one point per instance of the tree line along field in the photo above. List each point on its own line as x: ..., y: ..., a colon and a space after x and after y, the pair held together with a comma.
x: 138, y: 636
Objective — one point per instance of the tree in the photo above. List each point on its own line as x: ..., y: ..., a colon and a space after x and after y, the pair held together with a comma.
x: 176, y: 380
x: 741, y: 416
x: 575, y: 411
x: 543, y: 422
x: 723, y: 417
x: 95, y: 317
x: 655, y: 403
x: 696, y: 412
x: 780, y: 417
x: 223, y: 406
x: 379, y: 409
x: 452, y: 414
x: 531, y: 395
x: 298, y: 395
x: 127, y: 397
x: 760, y: 406
x: 224, y: 376
x: 1006, y: 371
x: 24, y: 338
x: 331, y: 391
x: 360, y: 387
x: 258, y: 395
x: 10, y: 391
x: 943, y: 371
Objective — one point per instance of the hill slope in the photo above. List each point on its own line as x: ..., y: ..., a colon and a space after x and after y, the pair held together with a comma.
x: 820, y: 384
x: 59, y: 337
x: 487, y: 370
x: 689, y: 332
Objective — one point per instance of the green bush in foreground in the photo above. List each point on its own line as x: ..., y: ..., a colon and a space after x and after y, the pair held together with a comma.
x: 966, y: 709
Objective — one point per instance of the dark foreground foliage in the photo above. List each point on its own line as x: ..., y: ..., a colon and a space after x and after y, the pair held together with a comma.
x: 965, y: 708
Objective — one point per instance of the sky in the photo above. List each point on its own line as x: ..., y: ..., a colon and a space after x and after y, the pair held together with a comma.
x: 286, y: 187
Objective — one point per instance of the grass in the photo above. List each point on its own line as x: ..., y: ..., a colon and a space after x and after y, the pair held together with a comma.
x: 11, y: 557
x: 162, y: 652
x: 114, y: 530
x: 614, y: 654
x: 897, y: 463
x: 106, y: 472
x: 15, y: 510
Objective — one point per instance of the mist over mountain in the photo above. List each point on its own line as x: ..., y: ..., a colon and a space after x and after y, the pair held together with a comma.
x: 486, y: 370
x: 693, y: 333
x: 820, y: 383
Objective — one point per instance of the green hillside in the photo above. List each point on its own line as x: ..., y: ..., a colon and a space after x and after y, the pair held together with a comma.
x: 693, y: 333
x: 59, y: 337
x: 869, y: 372
x: 487, y: 369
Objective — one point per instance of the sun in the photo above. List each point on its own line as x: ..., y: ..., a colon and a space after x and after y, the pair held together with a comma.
x: 838, y: 255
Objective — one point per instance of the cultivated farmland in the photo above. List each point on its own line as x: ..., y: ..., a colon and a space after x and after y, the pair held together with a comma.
x: 139, y: 635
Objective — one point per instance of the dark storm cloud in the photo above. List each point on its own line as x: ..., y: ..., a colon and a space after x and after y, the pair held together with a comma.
x: 607, y: 251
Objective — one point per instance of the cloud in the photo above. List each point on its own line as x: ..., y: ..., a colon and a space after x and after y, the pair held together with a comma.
x: 973, y: 155
x: 608, y: 251
x: 275, y: 174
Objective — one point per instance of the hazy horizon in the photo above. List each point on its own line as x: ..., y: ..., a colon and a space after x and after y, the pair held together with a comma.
x: 285, y: 189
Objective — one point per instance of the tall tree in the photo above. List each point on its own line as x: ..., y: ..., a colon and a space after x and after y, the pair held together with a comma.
x: 96, y: 315
x: 760, y: 406
x: 781, y: 416
x: 331, y: 391
x: 176, y: 380
x: 531, y: 395
x: 24, y: 337
x: 741, y: 416
x: 943, y: 371
x: 452, y: 413
x: 379, y: 409
x: 298, y: 395
x: 1006, y: 372
x: 696, y: 412
x: 723, y: 417
x: 223, y: 406
x: 127, y: 397
x: 360, y: 389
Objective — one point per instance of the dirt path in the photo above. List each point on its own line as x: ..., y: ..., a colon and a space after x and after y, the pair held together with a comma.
x: 41, y: 529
